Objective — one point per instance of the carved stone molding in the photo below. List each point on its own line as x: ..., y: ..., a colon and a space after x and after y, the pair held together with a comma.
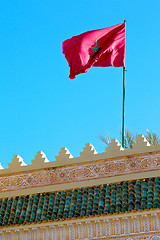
x: 81, y: 172
x: 116, y: 228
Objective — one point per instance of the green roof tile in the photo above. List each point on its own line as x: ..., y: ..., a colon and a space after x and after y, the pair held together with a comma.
x: 104, y: 199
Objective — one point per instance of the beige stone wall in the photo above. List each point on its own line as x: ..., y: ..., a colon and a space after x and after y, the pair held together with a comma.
x: 91, y: 168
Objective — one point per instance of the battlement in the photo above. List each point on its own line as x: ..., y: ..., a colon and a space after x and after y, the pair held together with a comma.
x: 113, y: 188
x: 89, y: 169
x: 89, y: 154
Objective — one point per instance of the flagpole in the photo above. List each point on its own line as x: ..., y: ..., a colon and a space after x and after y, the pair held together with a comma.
x: 123, y: 108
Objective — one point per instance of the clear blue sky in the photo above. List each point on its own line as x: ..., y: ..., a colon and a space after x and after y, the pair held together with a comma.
x: 40, y: 108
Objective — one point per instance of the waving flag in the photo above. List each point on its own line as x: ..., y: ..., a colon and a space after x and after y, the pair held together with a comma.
x: 98, y: 48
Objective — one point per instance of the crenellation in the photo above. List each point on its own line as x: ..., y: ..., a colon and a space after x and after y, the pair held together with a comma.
x: 47, y: 199
x: 141, y: 143
x: 88, y: 154
x: 1, y: 166
x: 17, y: 162
x: 114, y: 147
x: 40, y: 159
x: 64, y: 156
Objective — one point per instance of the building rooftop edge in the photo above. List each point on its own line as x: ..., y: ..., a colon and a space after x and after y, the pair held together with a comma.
x: 88, y: 154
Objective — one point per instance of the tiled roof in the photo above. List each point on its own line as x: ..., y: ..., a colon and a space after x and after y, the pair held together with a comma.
x: 82, y: 202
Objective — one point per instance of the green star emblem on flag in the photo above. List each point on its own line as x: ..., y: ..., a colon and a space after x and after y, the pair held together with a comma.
x: 96, y: 48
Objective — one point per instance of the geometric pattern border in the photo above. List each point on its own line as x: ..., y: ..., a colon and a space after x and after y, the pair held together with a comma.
x: 81, y: 172
x: 132, y: 228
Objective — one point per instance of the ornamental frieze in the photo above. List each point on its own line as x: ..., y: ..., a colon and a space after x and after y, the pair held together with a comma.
x: 81, y: 172
x: 127, y: 228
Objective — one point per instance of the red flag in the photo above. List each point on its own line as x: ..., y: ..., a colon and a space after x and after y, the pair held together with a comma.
x: 99, y: 48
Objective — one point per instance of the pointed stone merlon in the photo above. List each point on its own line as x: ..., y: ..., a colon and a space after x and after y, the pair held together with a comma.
x: 141, y: 143
x: 17, y: 162
x: 114, y: 147
x: 1, y: 166
x: 88, y: 151
x: 40, y: 159
x: 64, y: 155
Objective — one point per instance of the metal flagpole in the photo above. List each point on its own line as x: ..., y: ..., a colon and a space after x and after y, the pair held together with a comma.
x: 123, y: 108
